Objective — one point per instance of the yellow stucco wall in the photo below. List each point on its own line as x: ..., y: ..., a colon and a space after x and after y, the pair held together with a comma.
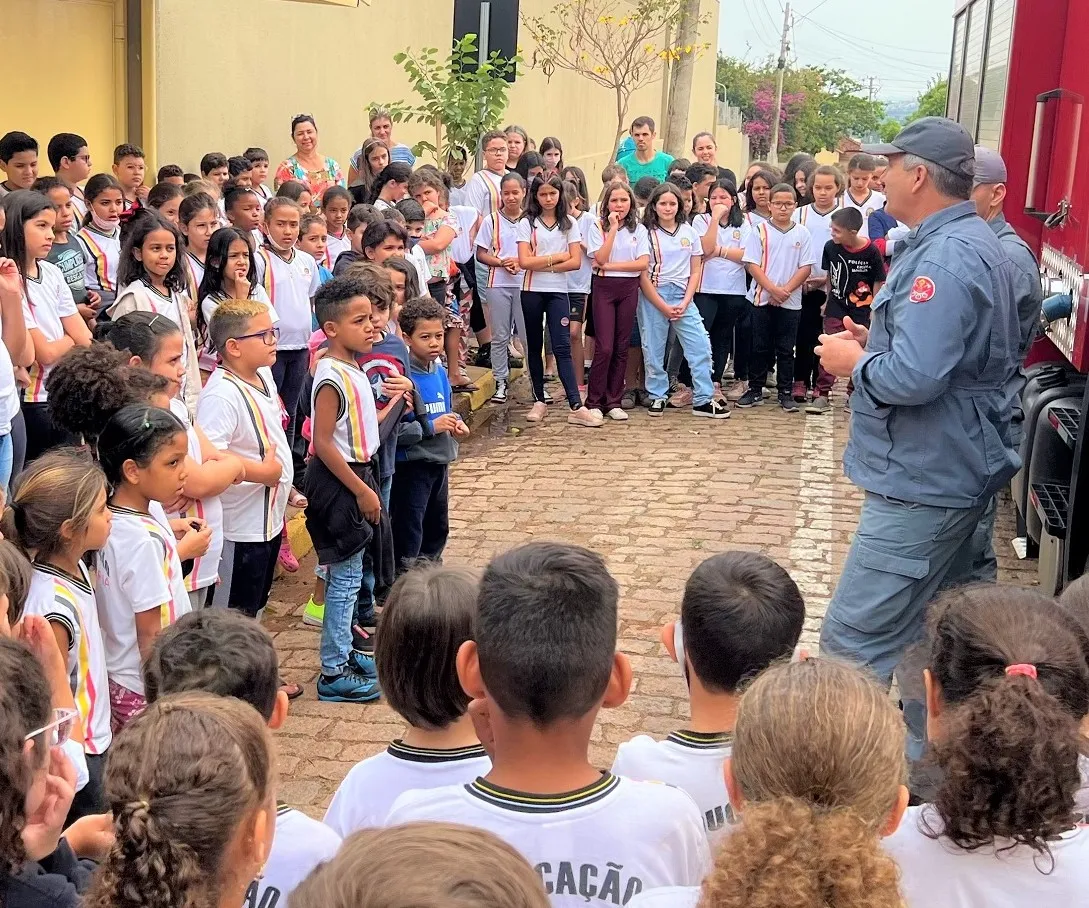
x: 89, y: 101
x: 215, y: 92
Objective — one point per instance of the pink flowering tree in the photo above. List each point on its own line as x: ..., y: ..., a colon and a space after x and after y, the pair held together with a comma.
x: 758, y: 126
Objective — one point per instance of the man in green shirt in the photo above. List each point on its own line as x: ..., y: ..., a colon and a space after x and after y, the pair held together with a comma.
x: 645, y: 161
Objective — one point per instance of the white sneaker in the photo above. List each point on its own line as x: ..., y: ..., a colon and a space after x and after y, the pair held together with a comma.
x: 500, y: 395
x: 537, y: 412
x: 597, y: 413
x: 617, y: 414
x: 588, y: 419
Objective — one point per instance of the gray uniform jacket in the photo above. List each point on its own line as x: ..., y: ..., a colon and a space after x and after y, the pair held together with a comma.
x: 930, y: 417
x: 1028, y: 296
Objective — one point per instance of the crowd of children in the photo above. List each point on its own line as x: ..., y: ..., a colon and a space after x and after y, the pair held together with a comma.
x: 785, y: 787
x: 206, y: 352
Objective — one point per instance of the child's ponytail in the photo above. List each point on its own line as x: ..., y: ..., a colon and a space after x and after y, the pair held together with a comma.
x: 60, y: 487
x: 135, y: 433
x: 181, y: 781
x: 1011, y: 670
x: 790, y: 852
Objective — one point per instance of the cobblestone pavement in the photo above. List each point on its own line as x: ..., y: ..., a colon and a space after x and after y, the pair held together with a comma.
x: 655, y: 497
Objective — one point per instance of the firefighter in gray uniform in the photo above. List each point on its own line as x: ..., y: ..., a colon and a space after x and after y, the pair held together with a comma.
x: 934, y: 378
x: 989, y: 196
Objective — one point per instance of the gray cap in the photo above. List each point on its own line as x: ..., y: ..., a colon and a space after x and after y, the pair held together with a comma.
x: 934, y: 139
x: 990, y: 168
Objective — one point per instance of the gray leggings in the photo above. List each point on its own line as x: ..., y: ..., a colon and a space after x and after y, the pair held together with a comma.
x: 505, y: 313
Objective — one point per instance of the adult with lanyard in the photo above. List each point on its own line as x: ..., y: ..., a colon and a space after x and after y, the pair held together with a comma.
x: 381, y: 126
x: 930, y: 440
x: 989, y: 196
x: 644, y: 161
x: 309, y: 166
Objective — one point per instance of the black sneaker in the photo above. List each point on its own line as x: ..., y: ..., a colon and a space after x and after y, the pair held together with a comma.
x: 657, y: 407
x: 714, y: 409
x: 787, y: 402
x: 483, y: 357
x: 500, y: 395
x: 751, y: 398
x: 363, y: 639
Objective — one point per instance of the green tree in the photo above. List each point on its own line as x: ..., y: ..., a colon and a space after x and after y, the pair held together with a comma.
x: 889, y: 130
x: 620, y: 45
x: 932, y: 102
x: 459, y: 98
x: 826, y: 104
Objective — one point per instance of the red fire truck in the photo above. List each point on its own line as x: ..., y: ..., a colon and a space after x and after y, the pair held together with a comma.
x: 1018, y: 81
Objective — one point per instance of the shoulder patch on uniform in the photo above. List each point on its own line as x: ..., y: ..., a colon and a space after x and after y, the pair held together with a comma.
x: 922, y: 290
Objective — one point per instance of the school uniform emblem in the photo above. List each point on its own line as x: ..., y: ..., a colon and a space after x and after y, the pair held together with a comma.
x: 737, y: 234
x: 922, y: 290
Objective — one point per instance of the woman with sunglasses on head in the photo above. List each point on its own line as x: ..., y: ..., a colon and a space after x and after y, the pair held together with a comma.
x: 40, y: 864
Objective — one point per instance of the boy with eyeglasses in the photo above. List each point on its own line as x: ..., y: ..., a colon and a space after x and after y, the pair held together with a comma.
x: 240, y: 412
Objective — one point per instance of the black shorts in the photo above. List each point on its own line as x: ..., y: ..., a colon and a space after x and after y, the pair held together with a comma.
x: 246, y: 570
x: 578, y: 306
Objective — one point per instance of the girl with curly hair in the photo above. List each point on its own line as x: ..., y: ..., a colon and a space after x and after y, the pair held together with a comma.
x: 191, y: 787
x: 1006, y: 689
x: 816, y: 779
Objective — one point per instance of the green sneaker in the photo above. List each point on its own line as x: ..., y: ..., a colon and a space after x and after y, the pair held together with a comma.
x: 314, y: 613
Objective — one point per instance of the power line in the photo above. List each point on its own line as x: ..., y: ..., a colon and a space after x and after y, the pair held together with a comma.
x: 805, y: 16
x: 861, y: 48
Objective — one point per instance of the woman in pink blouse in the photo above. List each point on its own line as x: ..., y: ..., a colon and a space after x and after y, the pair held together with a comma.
x: 307, y: 165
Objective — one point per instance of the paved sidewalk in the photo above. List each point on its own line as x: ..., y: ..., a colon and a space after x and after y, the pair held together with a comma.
x: 655, y: 497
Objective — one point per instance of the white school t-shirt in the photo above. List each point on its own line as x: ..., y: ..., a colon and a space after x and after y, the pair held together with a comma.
x: 418, y: 259
x: 671, y: 255
x: 299, y: 845
x: 482, y: 191
x: 47, y: 300
x: 873, y: 201
x: 721, y: 275
x: 355, y: 434
x: 544, y: 240
x: 70, y: 601
x: 367, y: 793
x: 335, y: 245
x: 245, y: 420
x: 689, y: 760
x: 628, y: 246
x: 290, y: 286
x: 499, y: 225
x: 9, y: 391
x: 205, y: 571
x: 136, y: 571
x: 461, y: 249
x: 779, y: 253
x: 607, y: 841
x: 667, y: 897
x: 101, y: 256
x: 195, y: 268
x: 820, y: 232
x: 579, y: 281
x: 935, y: 873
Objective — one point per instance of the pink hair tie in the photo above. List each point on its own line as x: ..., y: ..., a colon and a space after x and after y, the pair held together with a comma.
x: 1022, y: 668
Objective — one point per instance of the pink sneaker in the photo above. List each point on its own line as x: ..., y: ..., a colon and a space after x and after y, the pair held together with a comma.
x: 287, y: 557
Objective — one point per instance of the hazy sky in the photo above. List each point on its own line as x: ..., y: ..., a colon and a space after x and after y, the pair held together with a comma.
x: 901, y: 44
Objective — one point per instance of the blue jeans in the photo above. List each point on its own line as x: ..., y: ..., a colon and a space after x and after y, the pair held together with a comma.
x: 902, y: 555
x: 364, y: 608
x: 654, y: 331
x: 7, y: 455
x: 341, y: 592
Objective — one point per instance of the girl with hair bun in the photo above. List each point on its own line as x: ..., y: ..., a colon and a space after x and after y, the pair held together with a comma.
x: 191, y: 786
x: 816, y: 779
x: 1006, y: 690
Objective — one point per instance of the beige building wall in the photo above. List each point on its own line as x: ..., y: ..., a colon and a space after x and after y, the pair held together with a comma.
x: 216, y: 92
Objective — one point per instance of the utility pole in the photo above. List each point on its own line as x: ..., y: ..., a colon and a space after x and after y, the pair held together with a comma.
x: 871, y: 88
x: 773, y: 150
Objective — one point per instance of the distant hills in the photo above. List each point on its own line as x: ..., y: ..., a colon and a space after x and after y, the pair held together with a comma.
x: 900, y: 110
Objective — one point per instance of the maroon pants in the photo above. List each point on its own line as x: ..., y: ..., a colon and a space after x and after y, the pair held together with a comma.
x: 614, y: 300
x: 825, y: 380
